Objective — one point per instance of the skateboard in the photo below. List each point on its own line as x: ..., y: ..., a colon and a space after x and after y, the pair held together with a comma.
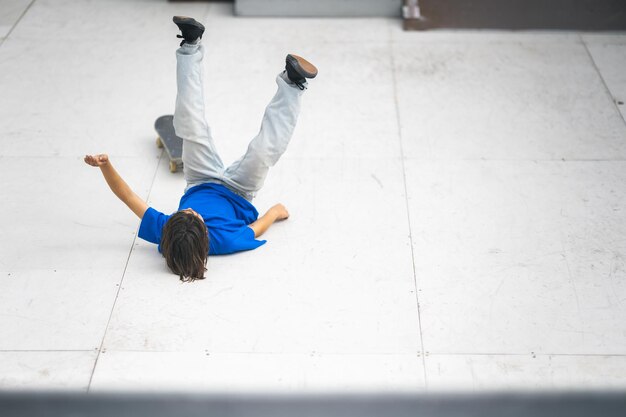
x: 168, y: 140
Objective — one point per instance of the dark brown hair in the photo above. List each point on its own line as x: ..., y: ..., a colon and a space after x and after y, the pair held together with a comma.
x: 185, y: 246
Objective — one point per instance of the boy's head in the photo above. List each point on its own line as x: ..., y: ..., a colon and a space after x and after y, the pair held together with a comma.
x: 185, y: 245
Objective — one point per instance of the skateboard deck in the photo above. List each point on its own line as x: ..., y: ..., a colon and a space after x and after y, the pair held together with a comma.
x: 168, y: 140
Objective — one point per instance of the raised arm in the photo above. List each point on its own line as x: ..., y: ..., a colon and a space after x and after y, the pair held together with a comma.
x: 260, y: 226
x: 117, y: 184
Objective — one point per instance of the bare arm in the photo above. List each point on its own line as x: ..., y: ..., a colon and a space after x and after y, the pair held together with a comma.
x: 117, y: 184
x: 275, y: 213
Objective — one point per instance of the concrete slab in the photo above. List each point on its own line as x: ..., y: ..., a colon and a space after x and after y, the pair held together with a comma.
x: 103, y: 21
x: 609, y: 55
x: 348, y: 110
x: 519, y: 256
x: 525, y: 372
x: 335, y: 291
x: 60, y: 214
x: 517, y: 100
x: 49, y: 371
x: 223, y: 25
x: 40, y: 309
x: 103, y: 95
x: 256, y: 373
x: 10, y: 13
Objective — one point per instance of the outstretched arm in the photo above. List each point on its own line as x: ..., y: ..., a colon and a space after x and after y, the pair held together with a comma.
x: 260, y: 226
x: 117, y: 184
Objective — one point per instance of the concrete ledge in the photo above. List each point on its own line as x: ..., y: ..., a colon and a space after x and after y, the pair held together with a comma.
x: 354, y: 405
x: 521, y: 14
x: 319, y: 8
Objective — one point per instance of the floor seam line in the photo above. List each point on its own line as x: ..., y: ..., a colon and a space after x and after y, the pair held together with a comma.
x: 19, y: 19
x: 606, y: 87
x: 257, y: 353
x: 119, y: 288
x: 529, y: 354
x: 406, y: 197
x: 47, y: 350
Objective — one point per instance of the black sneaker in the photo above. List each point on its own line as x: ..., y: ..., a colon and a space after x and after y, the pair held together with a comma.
x: 299, y: 69
x: 189, y: 27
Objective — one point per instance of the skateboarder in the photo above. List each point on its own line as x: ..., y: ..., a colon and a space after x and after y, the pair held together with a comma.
x: 215, y: 214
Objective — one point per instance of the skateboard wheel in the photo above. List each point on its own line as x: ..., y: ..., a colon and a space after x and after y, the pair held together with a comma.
x: 173, y: 167
x: 159, y: 143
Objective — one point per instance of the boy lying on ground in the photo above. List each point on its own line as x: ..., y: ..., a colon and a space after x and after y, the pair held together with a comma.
x: 215, y: 214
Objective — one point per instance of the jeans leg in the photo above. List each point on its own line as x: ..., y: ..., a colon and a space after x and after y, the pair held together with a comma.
x: 248, y: 173
x: 201, y: 161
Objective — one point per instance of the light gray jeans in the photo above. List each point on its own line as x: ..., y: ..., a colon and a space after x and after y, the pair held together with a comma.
x: 201, y: 161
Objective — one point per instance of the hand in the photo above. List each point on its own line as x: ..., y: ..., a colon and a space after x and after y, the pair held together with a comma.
x: 280, y: 212
x: 97, y: 160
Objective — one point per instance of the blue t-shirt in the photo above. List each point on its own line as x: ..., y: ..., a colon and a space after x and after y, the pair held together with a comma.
x: 226, y: 215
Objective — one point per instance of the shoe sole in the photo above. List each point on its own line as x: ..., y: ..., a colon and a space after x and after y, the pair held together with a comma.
x: 307, y: 67
x: 187, y: 21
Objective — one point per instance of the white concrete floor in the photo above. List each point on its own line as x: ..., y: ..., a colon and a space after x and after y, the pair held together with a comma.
x: 457, y: 207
